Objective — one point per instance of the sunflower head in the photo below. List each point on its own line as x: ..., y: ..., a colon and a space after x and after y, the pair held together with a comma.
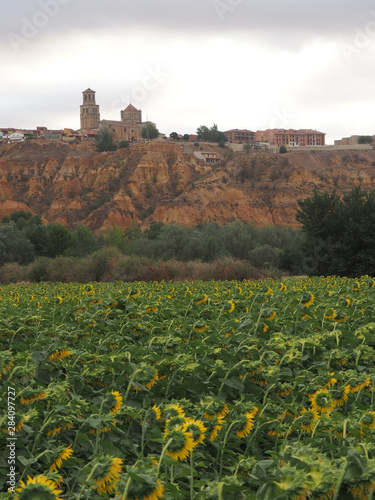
x: 62, y: 453
x: 37, y: 488
x: 308, y: 419
x: 179, y: 443
x: 321, y: 401
x: 368, y: 420
x: 173, y: 410
x: 215, y: 424
x: 175, y: 422
x: 107, y: 470
x: 157, y: 412
x: 246, y: 423
x: 146, y: 376
x: 143, y: 484
x: 117, y: 402
x: 307, y: 299
x: 197, y: 430
x: 213, y: 407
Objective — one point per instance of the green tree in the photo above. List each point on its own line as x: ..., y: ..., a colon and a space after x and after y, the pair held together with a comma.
x: 186, y: 137
x: 340, y: 232
x: 59, y: 239
x: 365, y: 139
x: 283, y: 149
x: 104, y: 140
x: 14, y: 245
x: 82, y: 242
x: 173, y: 135
x: 123, y: 144
x: 150, y: 132
x: 210, y: 134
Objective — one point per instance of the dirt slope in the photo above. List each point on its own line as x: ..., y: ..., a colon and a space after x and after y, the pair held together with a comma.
x: 157, y: 182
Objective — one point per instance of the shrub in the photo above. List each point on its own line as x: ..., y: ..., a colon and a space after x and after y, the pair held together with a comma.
x: 11, y: 272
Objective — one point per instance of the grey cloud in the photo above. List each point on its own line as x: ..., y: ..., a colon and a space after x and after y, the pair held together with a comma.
x: 284, y: 23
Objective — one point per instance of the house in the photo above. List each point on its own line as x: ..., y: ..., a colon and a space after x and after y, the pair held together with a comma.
x: 208, y: 156
x: 14, y: 137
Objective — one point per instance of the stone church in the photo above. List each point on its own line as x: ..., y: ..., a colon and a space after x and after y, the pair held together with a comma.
x: 129, y: 128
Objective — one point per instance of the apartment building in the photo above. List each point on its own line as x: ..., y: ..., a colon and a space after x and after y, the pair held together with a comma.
x: 291, y: 137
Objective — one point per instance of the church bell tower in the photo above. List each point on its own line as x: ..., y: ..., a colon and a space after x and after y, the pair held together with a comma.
x: 90, y: 116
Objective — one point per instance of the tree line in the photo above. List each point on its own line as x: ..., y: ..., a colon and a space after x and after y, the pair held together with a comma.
x: 337, y: 237
x: 23, y: 238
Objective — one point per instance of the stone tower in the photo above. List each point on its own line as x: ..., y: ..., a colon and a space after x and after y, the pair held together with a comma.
x: 90, y: 116
x: 131, y: 115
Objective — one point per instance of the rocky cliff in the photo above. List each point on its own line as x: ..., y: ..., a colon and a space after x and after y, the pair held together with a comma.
x: 157, y: 182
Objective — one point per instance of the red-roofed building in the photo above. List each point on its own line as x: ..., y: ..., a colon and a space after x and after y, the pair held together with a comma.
x: 236, y: 136
x: 291, y: 137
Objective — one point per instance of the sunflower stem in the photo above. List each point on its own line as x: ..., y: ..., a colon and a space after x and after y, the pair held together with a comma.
x: 127, y: 486
x: 88, y: 479
x: 162, y: 455
x: 130, y: 384
x: 339, y: 482
x: 222, y: 448
x: 191, y: 475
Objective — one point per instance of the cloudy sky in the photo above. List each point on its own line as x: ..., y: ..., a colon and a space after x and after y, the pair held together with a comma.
x: 252, y: 64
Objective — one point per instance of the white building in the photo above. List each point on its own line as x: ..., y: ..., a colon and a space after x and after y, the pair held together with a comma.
x: 14, y: 137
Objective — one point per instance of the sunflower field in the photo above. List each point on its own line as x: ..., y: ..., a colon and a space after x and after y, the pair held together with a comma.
x: 198, y: 390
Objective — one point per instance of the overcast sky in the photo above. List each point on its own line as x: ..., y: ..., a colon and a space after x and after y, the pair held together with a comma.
x: 252, y: 64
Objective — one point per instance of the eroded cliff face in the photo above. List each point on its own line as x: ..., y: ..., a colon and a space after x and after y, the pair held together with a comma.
x: 156, y: 182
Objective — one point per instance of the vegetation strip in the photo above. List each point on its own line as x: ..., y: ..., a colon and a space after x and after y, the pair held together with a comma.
x: 201, y: 390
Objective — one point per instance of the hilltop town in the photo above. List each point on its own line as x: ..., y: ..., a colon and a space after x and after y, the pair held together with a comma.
x: 60, y: 175
x: 130, y: 125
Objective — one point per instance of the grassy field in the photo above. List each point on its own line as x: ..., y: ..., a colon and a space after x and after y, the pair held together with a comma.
x: 200, y: 390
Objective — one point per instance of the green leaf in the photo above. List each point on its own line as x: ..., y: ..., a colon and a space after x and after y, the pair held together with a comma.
x: 234, y: 383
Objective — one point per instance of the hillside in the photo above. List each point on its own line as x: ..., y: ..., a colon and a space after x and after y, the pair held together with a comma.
x: 157, y: 182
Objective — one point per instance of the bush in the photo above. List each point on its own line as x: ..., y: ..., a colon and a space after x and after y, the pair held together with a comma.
x: 104, y: 140
x: 365, y: 139
x: 123, y: 144
x: 11, y: 273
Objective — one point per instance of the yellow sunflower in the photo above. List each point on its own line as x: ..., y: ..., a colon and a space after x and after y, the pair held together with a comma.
x: 38, y: 487
x: 157, y: 412
x: 360, y: 386
x: 368, y: 420
x: 232, y: 306
x: 146, y: 376
x: 197, y: 430
x: 321, y: 401
x: 182, y: 443
x: 59, y: 355
x: 173, y: 410
x: 107, y: 474
x: 272, y: 316
x: 332, y: 315
x: 248, y: 423
x: 341, y: 395
x: 215, y: 408
x: 63, y: 455
x: 307, y: 300
x: 139, y: 490
x: 216, y: 423
x: 36, y: 397
x: 118, y: 403
x: 202, y: 301
x: 308, y: 419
